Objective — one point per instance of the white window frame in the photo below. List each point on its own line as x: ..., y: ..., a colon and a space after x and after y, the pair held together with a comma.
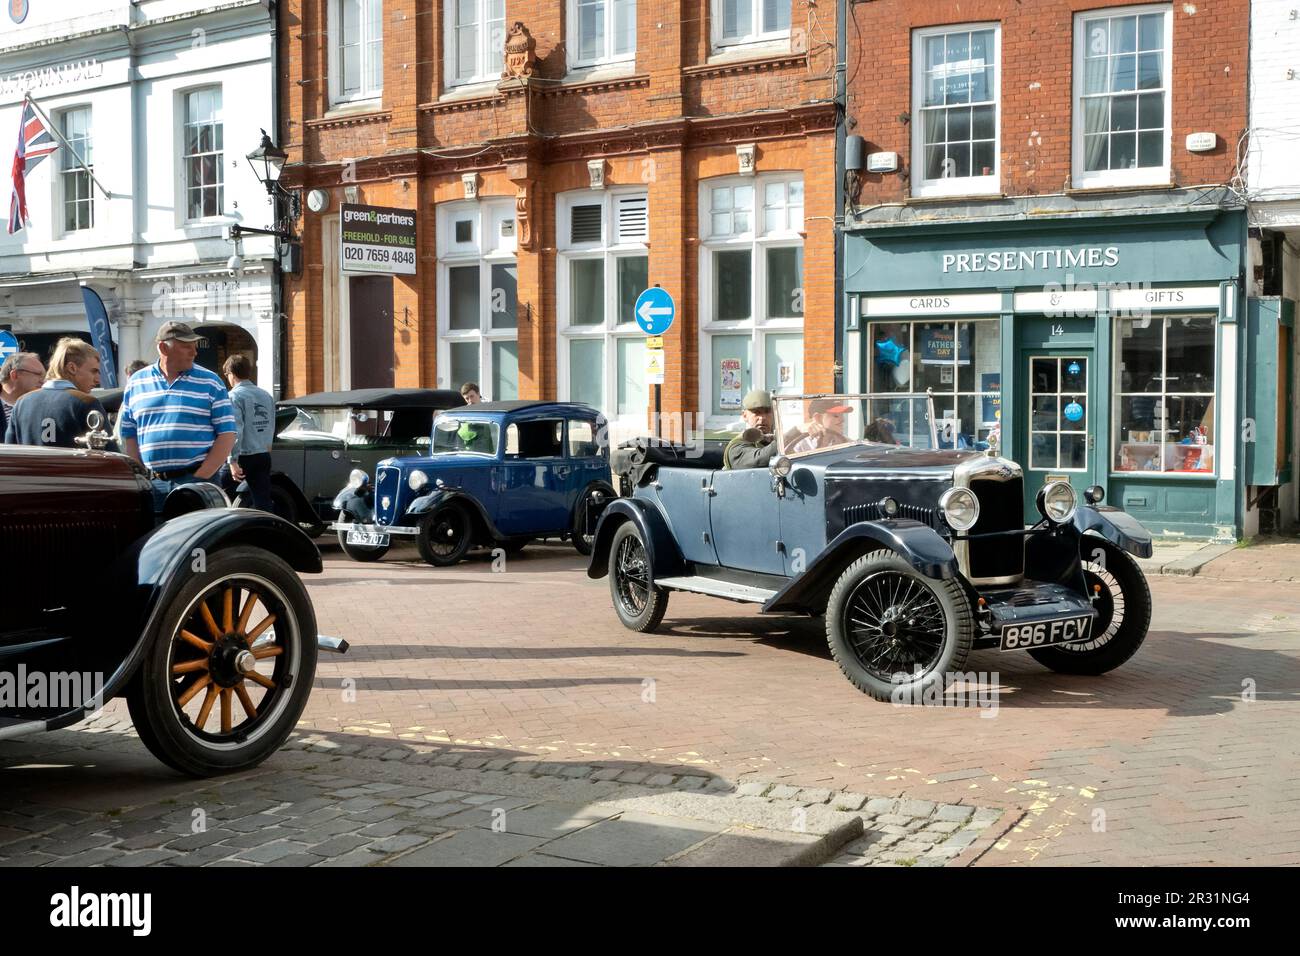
x: 184, y: 205
x: 958, y: 185
x: 758, y: 240
x: 609, y: 250
x: 720, y: 42
x: 608, y: 56
x: 489, y: 49
x: 1106, y: 178
x: 68, y: 170
x: 367, y: 43
x: 486, y: 249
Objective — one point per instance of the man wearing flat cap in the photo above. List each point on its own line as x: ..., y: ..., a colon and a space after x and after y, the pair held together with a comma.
x: 754, y: 447
x: 176, y: 417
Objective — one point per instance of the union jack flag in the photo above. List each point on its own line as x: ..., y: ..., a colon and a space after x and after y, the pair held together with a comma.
x: 35, y: 142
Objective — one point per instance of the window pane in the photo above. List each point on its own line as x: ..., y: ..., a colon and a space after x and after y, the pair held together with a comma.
x: 1139, y: 354
x: 1151, y: 111
x: 464, y: 297
x: 1123, y: 151
x: 591, y: 30
x: 784, y: 283
x: 1123, y: 73
x: 732, y: 272
x: 587, y: 279
x: 504, y: 296
x: 505, y: 371
x: 624, y: 26
x: 466, y: 52
x: 959, y: 159
x: 936, y: 355
x: 776, y: 15
x: 1150, y: 76
x: 633, y: 278
x: 736, y: 19
x: 1151, y: 149
x: 1123, y: 113
x: 983, y: 125
x: 983, y: 159
x: 1123, y: 34
x: 586, y: 371
x: 1096, y: 115
x: 464, y: 363
x: 1191, y: 354
x: 729, y: 371
x: 891, y: 357
x: 1074, y: 451
x: 1095, y: 76
x: 783, y: 357
x: 1152, y: 32
x: 632, y: 392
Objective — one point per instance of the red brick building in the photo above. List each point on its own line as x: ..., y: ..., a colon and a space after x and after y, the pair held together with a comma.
x: 1047, y: 229
x: 628, y: 143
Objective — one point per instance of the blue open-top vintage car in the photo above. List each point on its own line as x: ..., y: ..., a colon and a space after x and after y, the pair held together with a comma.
x: 914, y: 553
x: 499, y: 473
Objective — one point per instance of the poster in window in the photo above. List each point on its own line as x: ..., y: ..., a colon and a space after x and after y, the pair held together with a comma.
x: 729, y: 384
x: 991, y: 405
x: 785, y: 375
x: 939, y: 344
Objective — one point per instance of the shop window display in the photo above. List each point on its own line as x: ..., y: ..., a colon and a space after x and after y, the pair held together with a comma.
x: 959, y: 361
x: 1165, y: 395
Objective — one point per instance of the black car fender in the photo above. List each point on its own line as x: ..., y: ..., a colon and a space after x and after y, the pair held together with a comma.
x: 661, y: 547
x: 605, y: 486
x: 1118, y: 527
x: 152, y: 572
x: 356, y: 503
x: 919, y: 544
x: 303, y: 509
x: 428, y: 503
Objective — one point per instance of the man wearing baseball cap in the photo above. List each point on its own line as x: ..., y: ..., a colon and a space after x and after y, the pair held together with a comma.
x: 176, y: 417
x: 825, y: 426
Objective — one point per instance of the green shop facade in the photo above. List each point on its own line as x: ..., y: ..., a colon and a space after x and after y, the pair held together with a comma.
x: 1102, y: 349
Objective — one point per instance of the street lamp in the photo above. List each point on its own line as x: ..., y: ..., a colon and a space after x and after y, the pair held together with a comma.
x: 267, y: 162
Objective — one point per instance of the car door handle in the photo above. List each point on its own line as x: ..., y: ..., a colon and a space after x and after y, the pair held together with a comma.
x: 708, y: 491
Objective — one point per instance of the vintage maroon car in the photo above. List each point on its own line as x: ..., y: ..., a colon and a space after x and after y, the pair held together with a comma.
x: 196, y: 616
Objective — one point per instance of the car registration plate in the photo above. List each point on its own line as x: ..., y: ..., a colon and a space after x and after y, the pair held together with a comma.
x: 374, y: 539
x: 1060, y: 630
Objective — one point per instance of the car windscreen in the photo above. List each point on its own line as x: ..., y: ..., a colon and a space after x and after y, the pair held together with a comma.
x: 315, y: 422
x: 815, y: 423
x: 460, y: 436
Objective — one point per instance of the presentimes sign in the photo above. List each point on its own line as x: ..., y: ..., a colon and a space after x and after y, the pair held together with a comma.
x: 1085, y: 257
x: 377, y: 239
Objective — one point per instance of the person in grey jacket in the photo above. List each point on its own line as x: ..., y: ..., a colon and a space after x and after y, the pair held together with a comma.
x: 250, y: 459
x: 55, y: 414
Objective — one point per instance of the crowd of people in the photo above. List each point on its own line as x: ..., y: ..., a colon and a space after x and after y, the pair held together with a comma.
x: 179, y: 420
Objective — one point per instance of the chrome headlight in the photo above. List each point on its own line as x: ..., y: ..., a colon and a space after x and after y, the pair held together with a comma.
x: 358, y: 478
x: 1057, y: 502
x: 417, y: 480
x: 781, y: 466
x: 960, y: 508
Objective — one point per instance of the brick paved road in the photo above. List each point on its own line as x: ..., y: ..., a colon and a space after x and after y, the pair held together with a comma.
x: 1187, y: 755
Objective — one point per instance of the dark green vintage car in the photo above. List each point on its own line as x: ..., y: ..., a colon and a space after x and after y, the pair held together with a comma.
x: 321, y: 438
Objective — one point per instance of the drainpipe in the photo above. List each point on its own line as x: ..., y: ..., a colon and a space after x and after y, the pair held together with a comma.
x: 278, y: 331
x: 841, y: 109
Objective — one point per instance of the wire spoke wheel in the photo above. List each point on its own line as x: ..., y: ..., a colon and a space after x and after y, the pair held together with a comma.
x: 1109, y: 603
x: 632, y: 575
x: 895, y: 624
x: 231, y: 658
x: 448, y: 531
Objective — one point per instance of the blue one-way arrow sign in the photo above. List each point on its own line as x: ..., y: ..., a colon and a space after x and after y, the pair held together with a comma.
x: 654, y: 311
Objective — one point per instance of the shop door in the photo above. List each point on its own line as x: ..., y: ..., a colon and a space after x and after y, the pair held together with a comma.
x: 1061, y: 442
x: 370, y: 308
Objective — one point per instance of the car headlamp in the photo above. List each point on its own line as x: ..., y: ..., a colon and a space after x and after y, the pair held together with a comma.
x: 358, y: 478
x: 889, y: 507
x: 960, y: 508
x: 417, y: 480
x: 781, y: 466
x: 1057, y: 502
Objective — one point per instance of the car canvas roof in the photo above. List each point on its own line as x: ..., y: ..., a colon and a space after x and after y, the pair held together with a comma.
x: 519, y: 405
x: 437, y: 398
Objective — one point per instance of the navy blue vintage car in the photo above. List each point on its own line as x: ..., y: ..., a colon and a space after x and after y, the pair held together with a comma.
x: 499, y: 474
x: 915, y: 554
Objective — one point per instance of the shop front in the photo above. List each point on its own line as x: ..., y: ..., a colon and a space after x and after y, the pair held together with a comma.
x: 1099, y: 350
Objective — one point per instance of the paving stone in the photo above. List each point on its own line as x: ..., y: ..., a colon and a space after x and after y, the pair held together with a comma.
x: 437, y: 811
x: 915, y: 808
x: 446, y: 796
x: 660, y: 780
x: 848, y: 801
x: 579, y: 772
x: 607, y: 773
x: 783, y: 791
x: 337, y: 846
x: 553, y: 820
x: 357, y: 857
x: 396, y: 844
x: 204, y: 855
x: 150, y: 857
x: 813, y: 795
x: 523, y: 766
x: 145, y: 841
x: 473, y: 847
x: 541, y: 859
x: 261, y: 837
x: 894, y: 819
x: 196, y: 840
x: 359, y: 804
x: 880, y: 805
x: 270, y: 852
x: 962, y: 838
x: 397, y: 753
x: 633, y: 776
x: 691, y: 783
x: 384, y: 828
x: 87, y: 858
x: 944, y: 852
x: 753, y: 788
x: 943, y: 826
x: 954, y: 813
x: 377, y: 814
x: 632, y: 839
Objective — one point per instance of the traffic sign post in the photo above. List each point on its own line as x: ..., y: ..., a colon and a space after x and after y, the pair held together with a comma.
x: 654, y: 312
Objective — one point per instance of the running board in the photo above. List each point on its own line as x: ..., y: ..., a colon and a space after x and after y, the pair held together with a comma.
x: 715, y: 588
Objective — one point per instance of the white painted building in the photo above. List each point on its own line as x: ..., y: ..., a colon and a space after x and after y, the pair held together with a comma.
x: 163, y: 98
x: 1271, y: 154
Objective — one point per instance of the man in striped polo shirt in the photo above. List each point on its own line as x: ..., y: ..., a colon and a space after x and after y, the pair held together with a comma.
x: 176, y: 418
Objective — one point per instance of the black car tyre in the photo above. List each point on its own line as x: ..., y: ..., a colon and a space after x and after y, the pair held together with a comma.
x: 229, y: 666
x: 896, y: 633
x: 1123, y: 614
x: 583, y: 532
x: 446, y: 535
x: 360, y: 552
x: 637, y: 602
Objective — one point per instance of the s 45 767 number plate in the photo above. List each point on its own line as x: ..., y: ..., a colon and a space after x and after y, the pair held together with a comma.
x: 372, y: 538
x: 1061, y: 630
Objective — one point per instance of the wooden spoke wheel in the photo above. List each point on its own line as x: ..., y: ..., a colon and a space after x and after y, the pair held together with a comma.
x: 231, y: 666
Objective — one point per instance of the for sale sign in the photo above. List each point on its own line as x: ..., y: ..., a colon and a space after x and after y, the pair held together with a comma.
x: 378, y: 239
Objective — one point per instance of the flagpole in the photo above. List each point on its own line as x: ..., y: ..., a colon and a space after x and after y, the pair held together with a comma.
x: 49, y: 124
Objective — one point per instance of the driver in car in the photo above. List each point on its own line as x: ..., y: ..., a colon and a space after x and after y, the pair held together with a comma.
x: 754, y: 447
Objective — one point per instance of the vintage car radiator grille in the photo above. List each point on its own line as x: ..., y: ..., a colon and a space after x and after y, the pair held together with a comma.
x: 1001, y: 509
x: 871, y: 511
x: 56, y: 549
x: 388, y: 487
